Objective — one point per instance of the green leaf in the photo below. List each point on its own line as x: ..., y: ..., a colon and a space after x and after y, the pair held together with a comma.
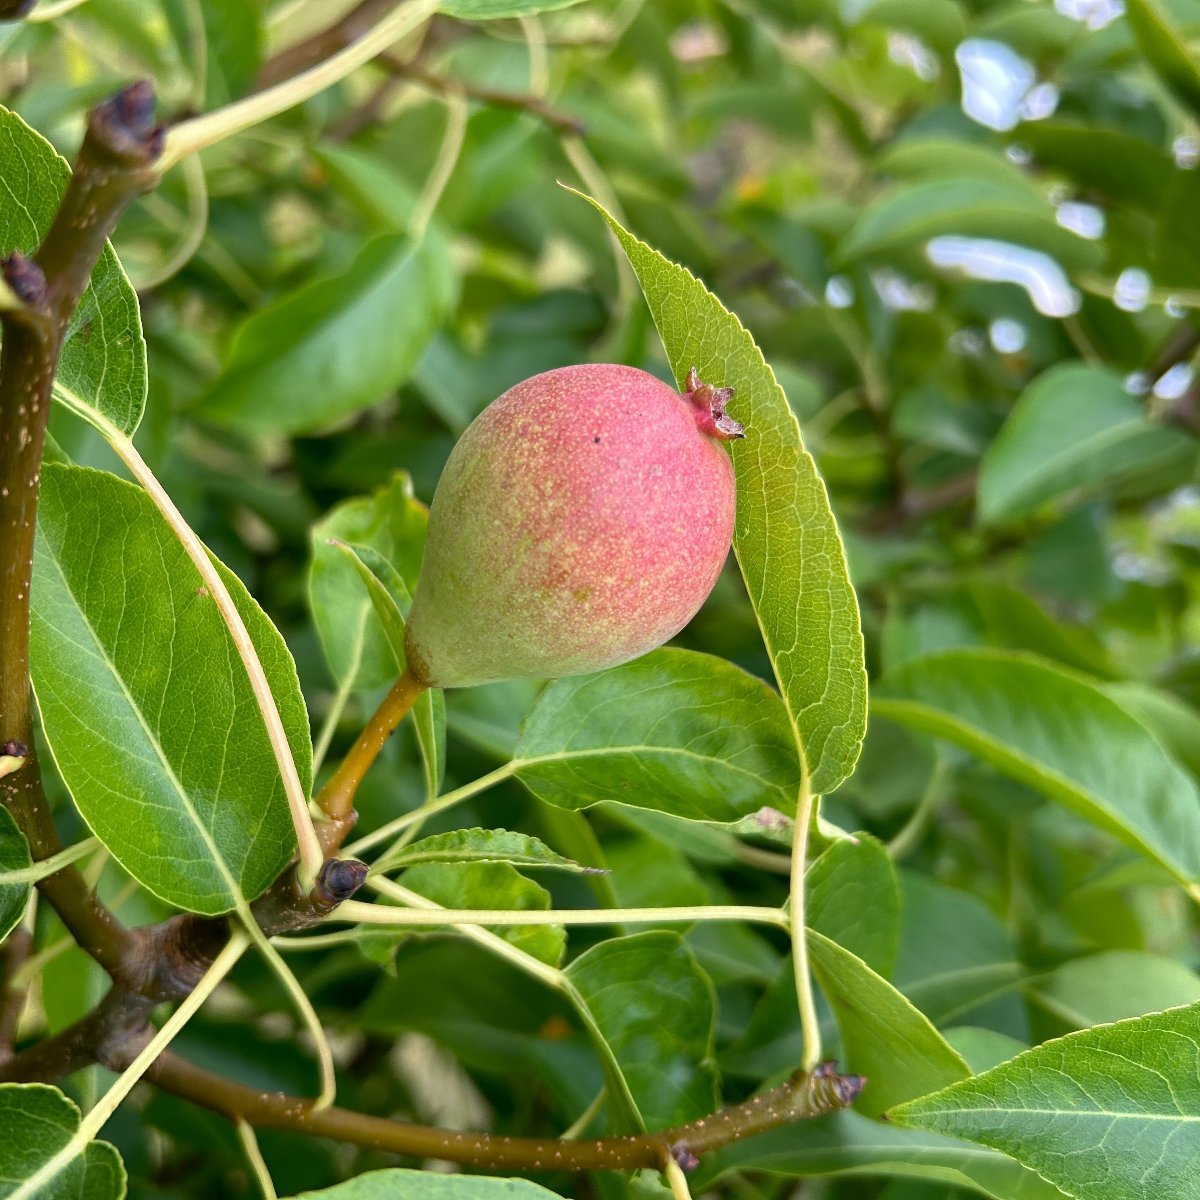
x: 1111, y: 1113
x: 1174, y: 723
x: 476, y: 845
x: 1164, y: 49
x: 1113, y: 986
x: 786, y: 541
x: 14, y: 856
x: 655, y: 1008
x: 391, y: 600
x: 847, y: 1143
x: 492, y: 885
x: 1074, y: 431
x: 39, y: 1122
x: 883, y: 1036
x: 853, y: 898
x: 396, y: 1183
x: 968, y: 206
x: 675, y: 731
x: 145, y: 703
x: 391, y: 521
x: 1059, y: 733
x: 103, y: 358
x: 337, y: 345
x: 487, y: 10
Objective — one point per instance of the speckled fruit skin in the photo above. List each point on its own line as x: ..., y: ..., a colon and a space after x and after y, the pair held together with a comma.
x: 581, y: 521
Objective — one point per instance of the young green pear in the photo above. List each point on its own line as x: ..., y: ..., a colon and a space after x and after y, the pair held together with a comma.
x: 581, y: 521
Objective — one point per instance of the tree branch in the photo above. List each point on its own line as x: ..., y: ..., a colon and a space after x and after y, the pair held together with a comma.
x: 115, y: 165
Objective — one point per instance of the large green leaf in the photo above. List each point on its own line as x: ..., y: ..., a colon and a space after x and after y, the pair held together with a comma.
x: 969, y: 206
x: 1075, y: 430
x: 1059, y: 733
x: 786, y: 540
x: 476, y: 845
x: 847, y: 1143
x: 676, y: 731
x: 1110, y: 1113
x: 38, y: 1123
x: 1164, y: 49
x: 14, y: 856
x: 883, y: 1036
x: 145, y: 703
x: 398, y: 1184
x: 654, y: 1007
x: 853, y: 898
x: 338, y: 345
x: 103, y: 359
x: 1114, y: 986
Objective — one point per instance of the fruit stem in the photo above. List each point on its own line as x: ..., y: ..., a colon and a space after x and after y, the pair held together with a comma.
x: 337, y: 796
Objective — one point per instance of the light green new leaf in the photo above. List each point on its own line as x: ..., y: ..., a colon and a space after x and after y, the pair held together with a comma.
x: 1075, y: 430
x: 14, y: 856
x: 487, y: 10
x: 492, y: 885
x: 103, y: 358
x: 1164, y: 49
x: 847, y: 1143
x: 1057, y: 732
x: 786, y: 540
x: 1110, y: 1113
x: 398, y: 1184
x: 476, y: 845
x: 883, y: 1036
x: 655, y: 1008
x: 145, y: 703
x: 391, y: 600
x: 392, y: 521
x: 336, y: 346
x: 38, y: 1122
x: 675, y: 731
x: 1114, y: 986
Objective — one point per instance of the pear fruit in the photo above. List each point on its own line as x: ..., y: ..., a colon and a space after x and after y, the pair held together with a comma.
x: 581, y: 521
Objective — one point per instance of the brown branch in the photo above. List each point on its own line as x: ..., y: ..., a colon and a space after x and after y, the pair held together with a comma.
x: 804, y: 1095
x: 13, y: 955
x: 115, y: 165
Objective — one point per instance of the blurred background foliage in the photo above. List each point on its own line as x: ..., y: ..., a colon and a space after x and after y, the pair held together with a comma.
x: 965, y: 234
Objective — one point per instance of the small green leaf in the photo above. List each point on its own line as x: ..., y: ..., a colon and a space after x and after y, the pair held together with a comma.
x: 1164, y: 49
x: 675, y: 731
x: 1059, y: 733
x: 392, y: 521
x: 165, y: 753
x: 786, y: 541
x: 476, y: 845
x: 492, y: 885
x: 853, y: 898
x: 883, y: 1036
x: 847, y: 1143
x: 1074, y: 431
x: 39, y: 1122
x: 655, y: 1008
x: 1110, y: 1113
x: 391, y: 600
x: 398, y: 1184
x: 1114, y: 986
x: 103, y: 358
x: 14, y: 856
x: 338, y: 345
